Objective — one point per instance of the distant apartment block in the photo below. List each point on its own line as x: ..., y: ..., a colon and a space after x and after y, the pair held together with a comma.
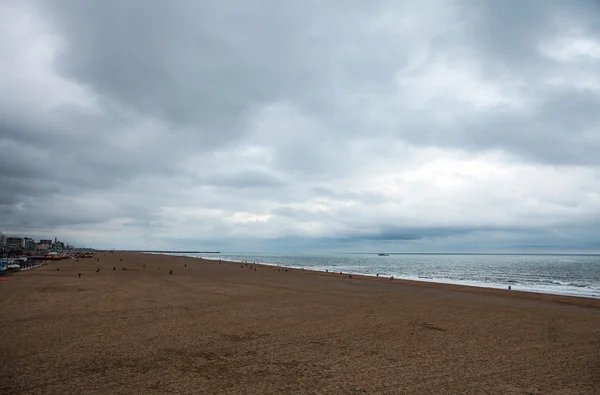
x: 44, y: 246
x: 58, y: 246
x: 21, y: 245
x: 15, y: 243
x: 29, y: 244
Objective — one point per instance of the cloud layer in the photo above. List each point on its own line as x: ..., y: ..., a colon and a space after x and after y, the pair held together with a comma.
x: 265, y: 125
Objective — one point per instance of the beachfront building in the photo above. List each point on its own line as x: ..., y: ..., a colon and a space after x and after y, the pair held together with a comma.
x: 15, y: 243
x: 29, y: 244
x: 58, y: 246
x: 44, y: 245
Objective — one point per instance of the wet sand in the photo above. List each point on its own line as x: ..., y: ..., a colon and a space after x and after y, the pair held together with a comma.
x: 226, y: 328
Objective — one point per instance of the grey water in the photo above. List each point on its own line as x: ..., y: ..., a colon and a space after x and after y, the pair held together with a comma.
x: 575, y: 275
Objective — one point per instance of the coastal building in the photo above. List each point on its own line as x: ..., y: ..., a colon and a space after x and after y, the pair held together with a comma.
x: 29, y: 244
x: 58, y: 246
x: 15, y: 243
x: 44, y: 245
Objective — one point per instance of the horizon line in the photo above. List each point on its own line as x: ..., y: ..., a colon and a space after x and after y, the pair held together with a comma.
x: 362, y: 252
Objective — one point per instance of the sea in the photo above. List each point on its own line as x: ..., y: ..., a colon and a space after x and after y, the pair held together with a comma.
x: 574, y: 275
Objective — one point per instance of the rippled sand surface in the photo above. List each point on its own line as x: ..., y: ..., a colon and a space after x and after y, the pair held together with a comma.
x: 230, y: 328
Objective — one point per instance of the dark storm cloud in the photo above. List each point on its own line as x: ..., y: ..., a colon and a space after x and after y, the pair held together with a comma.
x: 194, y: 64
x: 206, y: 65
x: 489, y: 240
x: 510, y: 32
x: 400, y: 234
x: 414, y: 234
x: 563, y: 130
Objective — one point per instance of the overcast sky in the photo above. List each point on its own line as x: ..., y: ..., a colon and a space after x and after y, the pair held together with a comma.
x: 339, y: 125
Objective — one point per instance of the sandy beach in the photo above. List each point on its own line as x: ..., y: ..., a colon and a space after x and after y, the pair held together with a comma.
x: 230, y: 328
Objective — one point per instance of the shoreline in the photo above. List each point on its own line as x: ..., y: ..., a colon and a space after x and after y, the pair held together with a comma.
x: 415, y: 282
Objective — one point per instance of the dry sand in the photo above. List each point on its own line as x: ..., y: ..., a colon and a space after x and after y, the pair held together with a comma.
x: 225, y: 328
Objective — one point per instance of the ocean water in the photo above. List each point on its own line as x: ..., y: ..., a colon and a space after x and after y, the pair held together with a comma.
x: 576, y: 275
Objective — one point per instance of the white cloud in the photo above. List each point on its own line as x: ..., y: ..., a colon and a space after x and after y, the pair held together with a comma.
x: 569, y: 49
x: 29, y: 47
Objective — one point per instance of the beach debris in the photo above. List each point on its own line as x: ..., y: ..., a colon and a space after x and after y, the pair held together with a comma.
x: 286, y: 270
x: 77, y: 260
x: 170, y: 271
x: 97, y: 270
x: 430, y: 326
